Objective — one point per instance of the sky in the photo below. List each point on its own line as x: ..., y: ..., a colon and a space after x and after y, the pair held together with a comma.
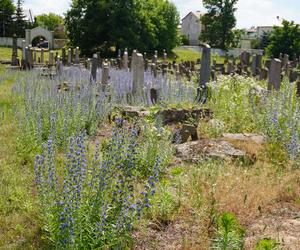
x: 249, y: 12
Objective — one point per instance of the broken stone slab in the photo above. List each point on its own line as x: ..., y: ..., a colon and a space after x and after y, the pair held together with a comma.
x: 248, y: 137
x: 182, y: 135
x: 132, y: 112
x: 212, y: 148
x: 171, y: 116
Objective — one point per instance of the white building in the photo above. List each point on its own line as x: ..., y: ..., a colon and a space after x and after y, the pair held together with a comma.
x: 191, y: 27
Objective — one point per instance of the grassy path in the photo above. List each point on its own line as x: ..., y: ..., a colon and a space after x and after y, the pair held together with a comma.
x: 18, y: 213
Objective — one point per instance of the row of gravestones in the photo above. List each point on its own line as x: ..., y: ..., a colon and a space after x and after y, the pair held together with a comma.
x: 273, y: 69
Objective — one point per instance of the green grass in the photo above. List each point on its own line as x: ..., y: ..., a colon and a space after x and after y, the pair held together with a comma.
x: 5, y: 53
x: 186, y: 54
x: 18, y: 212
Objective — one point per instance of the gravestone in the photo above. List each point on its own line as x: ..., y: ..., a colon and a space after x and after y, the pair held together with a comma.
x: 205, y: 73
x: 14, y: 57
x: 30, y: 56
x: 137, y: 69
x: 69, y: 57
x: 275, y: 75
x: 94, y: 68
x: 63, y: 56
x: 51, y: 58
x: 263, y: 74
x: 125, y: 59
x: 245, y: 59
x: 76, y: 55
x: 23, y: 49
x: 268, y: 63
x: 153, y: 95
x: 105, y: 74
x: 58, y: 65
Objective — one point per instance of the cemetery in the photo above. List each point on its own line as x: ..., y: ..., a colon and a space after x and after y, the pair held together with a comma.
x: 140, y: 150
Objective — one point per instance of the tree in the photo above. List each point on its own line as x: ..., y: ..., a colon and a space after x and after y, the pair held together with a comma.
x: 50, y: 21
x: 264, y: 41
x: 285, y: 39
x: 134, y: 24
x: 219, y: 23
x: 237, y: 36
x: 19, y: 20
x: 7, y: 10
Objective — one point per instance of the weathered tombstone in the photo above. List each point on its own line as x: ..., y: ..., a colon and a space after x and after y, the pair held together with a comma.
x: 58, y: 65
x: 254, y: 66
x: 125, y: 59
x: 245, y: 59
x: 63, y: 56
x: 99, y: 59
x: 137, y: 69
x: 263, y: 74
x: 268, y: 63
x: 14, y: 57
x: 94, y: 68
x: 285, y: 61
x: 230, y: 68
x: 154, y: 59
x: 153, y: 95
x: 205, y: 73
x: 76, y: 55
x: 26, y: 60
x: 42, y: 56
x: 105, y: 74
x: 72, y: 55
x: 275, y: 75
x: 69, y: 57
x: 23, y: 49
x: 154, y: 69
x: 293, y: 76
x: 51, y: 57
x: 30, y: 57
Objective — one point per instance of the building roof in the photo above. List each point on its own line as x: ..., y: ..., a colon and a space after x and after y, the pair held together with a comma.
x: 195, y: 13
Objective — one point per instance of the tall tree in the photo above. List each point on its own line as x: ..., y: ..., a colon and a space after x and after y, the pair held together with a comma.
x: 285, y: 39
x: 20, y: 22
x: 136, y: 24
x: 7, y: 10
x: 219, y: 23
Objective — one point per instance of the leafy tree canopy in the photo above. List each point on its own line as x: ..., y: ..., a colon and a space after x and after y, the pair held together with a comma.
x: 284, y: 39
x: 50, y: 21
x: 145, y: 25
x: 219, y: 23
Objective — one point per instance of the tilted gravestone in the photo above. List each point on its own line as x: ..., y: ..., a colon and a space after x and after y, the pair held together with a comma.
x: 275, y: 75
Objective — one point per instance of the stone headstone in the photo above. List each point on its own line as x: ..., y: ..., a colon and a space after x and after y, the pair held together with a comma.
x: 105, y: 74
x: 275, y: 75
x: 94, y: 68
x: 69, y: 57
x: 76, y: 55
x: 245, y: 58
x: 205, y: 73
x: 14, y: 57
x: 264, y: 74
x: 125, y: 59
x: 30, y: 56
x: 137, y: 69
x: 51, y: 57
x: 63, y: 56
x: 23, y: 49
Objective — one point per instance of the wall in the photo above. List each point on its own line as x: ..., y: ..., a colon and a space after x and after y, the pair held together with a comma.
x: 232, y: 52
x: 8, y: 41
